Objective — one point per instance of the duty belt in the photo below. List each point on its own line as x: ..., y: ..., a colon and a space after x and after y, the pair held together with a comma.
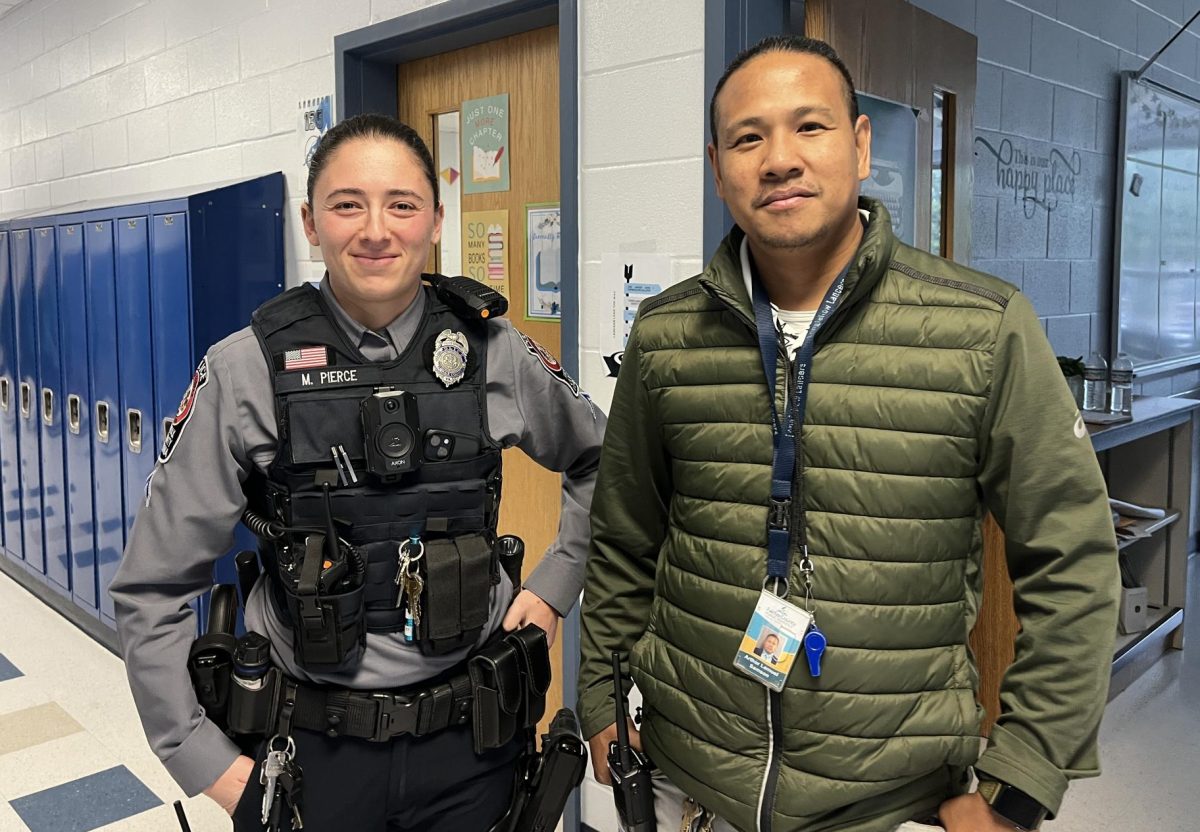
x: 384, y: 715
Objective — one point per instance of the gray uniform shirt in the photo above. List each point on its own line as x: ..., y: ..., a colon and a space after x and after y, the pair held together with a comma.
x: 194, y: 500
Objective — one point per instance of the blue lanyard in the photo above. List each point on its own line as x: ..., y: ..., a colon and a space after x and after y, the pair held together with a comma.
x: 786, y: 429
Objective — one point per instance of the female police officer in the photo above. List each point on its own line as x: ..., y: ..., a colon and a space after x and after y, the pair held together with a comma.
x: 277, y: 418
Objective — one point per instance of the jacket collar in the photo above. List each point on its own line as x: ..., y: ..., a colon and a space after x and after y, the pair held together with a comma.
x: 723, y: 276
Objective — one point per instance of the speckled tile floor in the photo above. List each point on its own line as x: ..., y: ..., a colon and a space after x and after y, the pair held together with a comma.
x: 1150, y: 748
x: 72, y: 754
x: 73, y: 757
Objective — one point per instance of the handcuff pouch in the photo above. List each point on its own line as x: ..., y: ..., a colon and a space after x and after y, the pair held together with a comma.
x: 456, y: 598
x: 509, y: 680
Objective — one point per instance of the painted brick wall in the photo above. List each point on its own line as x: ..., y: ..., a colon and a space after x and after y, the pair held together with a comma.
x: 641, y: 150
x: 1048, y: 87
x: 115, y: 97
x: 119, y: 97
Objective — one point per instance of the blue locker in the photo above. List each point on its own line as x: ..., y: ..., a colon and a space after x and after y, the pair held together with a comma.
x: 112, y: 307
x: 107, y: 437
x: 28, y: 418
x: 77, y: 405
x: 10, y: 480
x: 170, y: 316
x: 134, y: 359
x: 50, y: 407
x: 236, y: 250
x: 170, y: 312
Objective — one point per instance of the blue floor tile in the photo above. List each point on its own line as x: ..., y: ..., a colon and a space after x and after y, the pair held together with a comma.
x: 86, y: 803
x: 8, y: 670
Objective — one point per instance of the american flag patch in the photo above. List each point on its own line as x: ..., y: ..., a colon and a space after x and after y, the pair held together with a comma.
x: 306, y: 358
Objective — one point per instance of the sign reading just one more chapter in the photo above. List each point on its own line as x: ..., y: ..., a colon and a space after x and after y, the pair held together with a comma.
x: 485, y: 145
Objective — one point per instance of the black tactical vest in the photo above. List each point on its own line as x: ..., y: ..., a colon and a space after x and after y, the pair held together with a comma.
x: 448, y: 498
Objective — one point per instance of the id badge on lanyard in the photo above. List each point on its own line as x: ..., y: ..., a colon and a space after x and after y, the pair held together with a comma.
x: 778, y: 630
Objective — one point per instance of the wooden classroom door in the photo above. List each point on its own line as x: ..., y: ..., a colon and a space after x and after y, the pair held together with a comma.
x: 905, y: 55
x: 431, y: 91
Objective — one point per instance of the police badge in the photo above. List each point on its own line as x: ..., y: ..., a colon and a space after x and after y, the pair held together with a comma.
x: 450, y: 357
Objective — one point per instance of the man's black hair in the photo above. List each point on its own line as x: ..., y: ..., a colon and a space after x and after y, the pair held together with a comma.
x: 372, y: 126
x: 785, y: 43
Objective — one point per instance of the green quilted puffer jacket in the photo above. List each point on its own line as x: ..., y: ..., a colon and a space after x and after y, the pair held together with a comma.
x: 935, y: 398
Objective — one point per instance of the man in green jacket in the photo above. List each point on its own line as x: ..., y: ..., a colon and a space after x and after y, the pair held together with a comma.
x: 908, y: 397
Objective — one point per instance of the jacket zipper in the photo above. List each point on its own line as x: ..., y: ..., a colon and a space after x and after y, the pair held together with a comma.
x: 770, y: 780
x: 766, y: 794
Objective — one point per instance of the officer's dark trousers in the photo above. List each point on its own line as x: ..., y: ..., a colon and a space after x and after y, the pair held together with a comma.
x: 406, y: 785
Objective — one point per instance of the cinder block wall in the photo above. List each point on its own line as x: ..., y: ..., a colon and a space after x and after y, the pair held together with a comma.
x: 641, y: 151
x: 117, y: 97
x: 1047, y: 85
x: 102, y: 98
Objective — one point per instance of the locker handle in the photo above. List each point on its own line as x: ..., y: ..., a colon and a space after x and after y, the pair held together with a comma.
x: 4, y: 392
x: 26, y: 400
x: 167, y: 422
x: 134, y: 423
x: 48, y: 407
x: 102, y: 421
x: 74, y: 415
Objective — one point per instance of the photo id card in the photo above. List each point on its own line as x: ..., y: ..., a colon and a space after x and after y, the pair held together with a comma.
x: 772, y: 640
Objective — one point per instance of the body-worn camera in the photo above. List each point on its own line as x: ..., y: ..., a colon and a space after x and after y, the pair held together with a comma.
x: 391, y: 433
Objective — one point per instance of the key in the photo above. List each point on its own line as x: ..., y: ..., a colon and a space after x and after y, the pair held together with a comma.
x: 272, y: 767
x: 814, y: 648
x: 291, y: 783
x: 402, y: 564
x: 414, y: 585
x: 691, y: 811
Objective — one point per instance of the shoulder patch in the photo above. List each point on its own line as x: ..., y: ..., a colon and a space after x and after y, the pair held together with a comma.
x: 183, y: 415
x: 552, y: 366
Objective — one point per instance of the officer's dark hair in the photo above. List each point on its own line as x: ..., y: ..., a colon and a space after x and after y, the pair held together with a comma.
x: 370, y: 126
x: 785, y: 43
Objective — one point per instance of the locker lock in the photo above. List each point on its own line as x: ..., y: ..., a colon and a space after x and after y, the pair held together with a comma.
x: 74, y: 415
x: 134, y: 430
x: 26, y: 400
x: 48, y: 407
x: 102, y: 421
x: 5, y: 392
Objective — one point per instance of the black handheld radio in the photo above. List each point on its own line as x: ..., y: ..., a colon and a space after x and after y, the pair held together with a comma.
x: 629, y: 769
x: 468, y: 297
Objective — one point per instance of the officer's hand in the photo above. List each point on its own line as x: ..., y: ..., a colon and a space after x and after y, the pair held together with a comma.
x: 599, y: 747
x: 527, y: 608
x: 971, y: 813
x: 230, y: 786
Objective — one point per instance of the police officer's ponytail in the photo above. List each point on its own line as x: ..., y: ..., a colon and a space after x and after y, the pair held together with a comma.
x: 373, y: 126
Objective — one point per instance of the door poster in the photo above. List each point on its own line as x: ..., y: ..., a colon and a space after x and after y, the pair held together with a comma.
x: 485, y: 144
x: 485, y: 248
x: 543, y: 244
x: 634, y: 277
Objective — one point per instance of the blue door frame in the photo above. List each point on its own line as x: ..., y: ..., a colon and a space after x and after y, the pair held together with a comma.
x: 729, y: 27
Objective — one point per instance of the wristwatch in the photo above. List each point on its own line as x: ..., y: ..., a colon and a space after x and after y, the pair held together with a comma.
x: 1012, y: 804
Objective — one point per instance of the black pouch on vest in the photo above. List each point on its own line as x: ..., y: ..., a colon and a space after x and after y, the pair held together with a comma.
x: 330, y: 628
x: 497, y: 690
x: 457, y: 593
x: 509, y: 680
x: 534, y: 655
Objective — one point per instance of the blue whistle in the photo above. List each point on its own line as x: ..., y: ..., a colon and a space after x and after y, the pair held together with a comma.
x: 814, y: 648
